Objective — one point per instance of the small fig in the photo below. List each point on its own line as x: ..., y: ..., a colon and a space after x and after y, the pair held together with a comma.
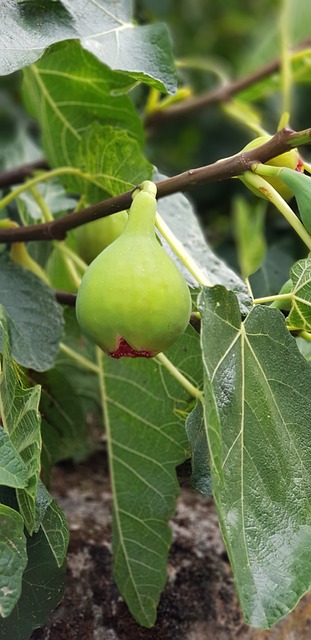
x: 133, y: 301
x: 59, y: 272
x: 290, y: 159
x: 95, y: 236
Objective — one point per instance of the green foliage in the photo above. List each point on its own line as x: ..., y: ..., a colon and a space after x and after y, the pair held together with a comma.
x: 248, y: 223
x: 13, y: 558
x: 31, y: 308
x: 77, y: 101
x: 144, y: 409
x: 300, y: 184
x: 30, y: 507
x: 255, y: 378
x: 300, y: 312
x: 42, y: 590
x: 21, y: 421
x: 201, y: 471
x: 91, y: 76
x: 107, y: 33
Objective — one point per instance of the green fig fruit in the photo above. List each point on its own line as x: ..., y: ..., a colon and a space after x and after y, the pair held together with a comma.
x: 133, y: 300
x: 59, y: 273
x: 290, y: 159
x: 95, y: 236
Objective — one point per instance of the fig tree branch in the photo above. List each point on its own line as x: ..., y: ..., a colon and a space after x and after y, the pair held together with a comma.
x: 223, y: 93
x: 15, y: 176
x: 223, y: 169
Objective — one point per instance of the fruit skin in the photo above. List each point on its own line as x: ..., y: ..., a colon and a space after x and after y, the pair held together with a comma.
x: 290, y: 159
x: 95, y: 236
x: 133, y: 301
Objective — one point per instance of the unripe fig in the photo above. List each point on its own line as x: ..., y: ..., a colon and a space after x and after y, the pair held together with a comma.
x: 133, y: 301
x: 59, y: 273
x: 93, y: 237
x: 290, y: 159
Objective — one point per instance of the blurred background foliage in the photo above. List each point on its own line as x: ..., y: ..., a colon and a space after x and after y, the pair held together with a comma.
x: 233, y: 39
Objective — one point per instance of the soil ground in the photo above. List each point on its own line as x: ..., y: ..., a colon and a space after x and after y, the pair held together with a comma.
x: 199, y: 601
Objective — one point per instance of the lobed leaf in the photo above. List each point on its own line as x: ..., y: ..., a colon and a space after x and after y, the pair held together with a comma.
x: 104, y: 28
x: 21, y: 421
x: 144, y: 411
x: 114, y: 160
x: 257, y: 409
x: 85, y: 119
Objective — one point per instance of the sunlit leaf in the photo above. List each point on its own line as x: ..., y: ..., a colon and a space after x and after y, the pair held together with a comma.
x: 257, y: 411
x: 104, y: 28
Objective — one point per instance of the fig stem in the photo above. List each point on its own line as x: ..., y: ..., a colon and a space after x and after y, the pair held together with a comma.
x: 286, y: 58
x: 84, y: 362
x: 41, y: 177
x: 181, y: 252
x: 67, y: 252
x: 280, y: 296
x: 306, y: 335
x: 271, y: 194
x: 41, y: 202
x: 192, y: 390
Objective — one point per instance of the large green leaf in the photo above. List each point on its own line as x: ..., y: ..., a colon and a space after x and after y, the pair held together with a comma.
x: 114, y: 160
x: 35, y: 318
x: 21, y: 421
x: 144, y: 407
x: 104, y: 27
x: 13, y: 558
x: 70, y: 92
x: 257, y: 411
x: 42, y: 589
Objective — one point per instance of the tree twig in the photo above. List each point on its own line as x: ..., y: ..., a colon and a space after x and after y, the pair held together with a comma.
x: 224, y: 169
x: 64, y: 297
x: 15, y: 176
x: 223, y: 93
